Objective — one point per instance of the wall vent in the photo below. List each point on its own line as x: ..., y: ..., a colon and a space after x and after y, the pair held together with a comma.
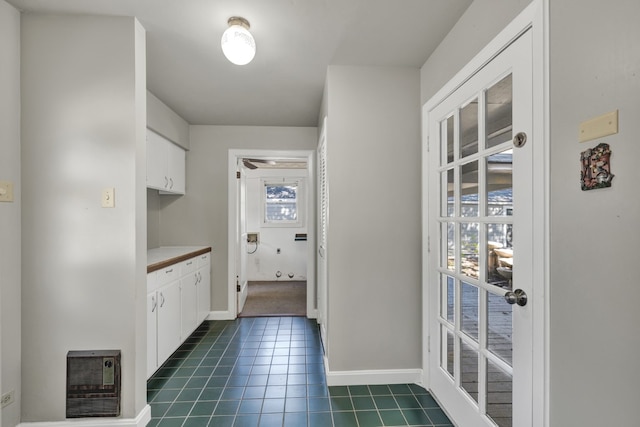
x: 93, y: 383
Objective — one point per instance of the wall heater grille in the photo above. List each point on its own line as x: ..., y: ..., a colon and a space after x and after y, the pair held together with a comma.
x: 93, y: 383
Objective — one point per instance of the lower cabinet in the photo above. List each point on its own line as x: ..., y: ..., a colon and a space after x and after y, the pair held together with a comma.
x: 189, y: 284
x: 178, y: 300
x: 169, y: 334
x: 152, y: 332
x: 203, y: 304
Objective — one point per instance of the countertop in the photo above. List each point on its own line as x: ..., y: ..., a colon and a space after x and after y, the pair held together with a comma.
x: 164, y: 256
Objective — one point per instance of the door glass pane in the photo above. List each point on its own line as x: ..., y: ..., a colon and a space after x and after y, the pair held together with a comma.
x: 499, y: 117
x: 469, y: 249
x: 469, y: 367
x: 500, y: 254
x: 469, y: 310
x: 448, y: 235
x: 499, y: 172
x: 447, y: 346
x: 447, y: 310
x: 499, y: 395
x: 500, y: 327
x: 469, y: 189
x: 447, y: 130
x: 447, y: 181
x: 469, y: 129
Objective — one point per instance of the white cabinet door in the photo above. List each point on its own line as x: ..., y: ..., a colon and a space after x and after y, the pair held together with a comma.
x: 189, y: 294
x: 168, y: 320
x: 176, y: 169
x: 152, y: 333
x: 165, y: 165
x: 204, y: 286
x: 157, y: 161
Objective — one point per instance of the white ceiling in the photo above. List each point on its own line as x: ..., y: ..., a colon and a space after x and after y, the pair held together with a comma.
x: 296, y: 41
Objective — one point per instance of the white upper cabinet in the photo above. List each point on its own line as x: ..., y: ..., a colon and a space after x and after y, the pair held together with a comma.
x: 165, y: 165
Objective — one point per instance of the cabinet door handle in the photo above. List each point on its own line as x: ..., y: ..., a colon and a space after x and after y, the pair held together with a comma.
x: 190, y: 262
x: 162, y: 297
x: 171, y: 181
x: 154, y: 304
x: 169, y: 271
x: 166, y: 182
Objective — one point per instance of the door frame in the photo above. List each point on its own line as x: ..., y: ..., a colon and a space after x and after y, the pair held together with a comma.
x: 534, y: 17
x: 233, y: 240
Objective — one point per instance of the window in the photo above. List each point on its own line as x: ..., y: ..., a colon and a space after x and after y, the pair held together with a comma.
x: 282, y: 203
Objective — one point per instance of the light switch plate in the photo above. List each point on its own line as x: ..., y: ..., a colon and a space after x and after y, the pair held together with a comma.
x: 598, y: 127
x: 6, y: 191
x: 108, y: 198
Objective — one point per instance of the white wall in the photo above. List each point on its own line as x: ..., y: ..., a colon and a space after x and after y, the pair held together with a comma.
x: 374, y: 236
x: 594, y: 292
x: 10, y: 244
x: 84, y: 267
x: 200, y: 216
x: 480, y: 23
x: 265, y: 262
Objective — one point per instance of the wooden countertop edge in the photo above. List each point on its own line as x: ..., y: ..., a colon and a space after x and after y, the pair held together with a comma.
x: 166, y: 263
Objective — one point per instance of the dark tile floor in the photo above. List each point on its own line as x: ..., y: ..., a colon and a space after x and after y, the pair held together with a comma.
x: 269, y: 371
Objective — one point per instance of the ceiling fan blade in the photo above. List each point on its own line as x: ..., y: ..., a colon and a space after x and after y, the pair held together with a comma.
x: 247, y: 164
x: 267, y: 162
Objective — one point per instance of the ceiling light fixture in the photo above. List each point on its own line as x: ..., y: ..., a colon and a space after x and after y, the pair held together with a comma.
x: 237, y: 42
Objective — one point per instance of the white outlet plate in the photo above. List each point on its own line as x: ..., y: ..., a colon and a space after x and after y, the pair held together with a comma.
x: 598, y: 127
x: 108, y: 198
x: 7, y: 398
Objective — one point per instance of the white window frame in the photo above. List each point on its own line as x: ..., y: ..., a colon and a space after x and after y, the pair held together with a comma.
x: 300, y: 201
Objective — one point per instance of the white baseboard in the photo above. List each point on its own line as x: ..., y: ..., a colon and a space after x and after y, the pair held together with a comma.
x: 372, y: 377
x: 141, y: 420
x: 323, y: 336
x: 220, y: 315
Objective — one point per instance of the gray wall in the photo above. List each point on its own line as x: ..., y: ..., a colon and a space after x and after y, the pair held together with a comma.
x: 83, y: 276
x: 10, y: 253
x: 374, y: 286
x: 480, y: 23
x: 594, y: 292
x: 201, y: 216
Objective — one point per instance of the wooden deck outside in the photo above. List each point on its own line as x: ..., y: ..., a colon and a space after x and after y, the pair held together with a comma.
x: 499, y: 383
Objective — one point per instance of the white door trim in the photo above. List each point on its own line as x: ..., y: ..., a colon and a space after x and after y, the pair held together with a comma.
x: 534, y: 17
x: 233, y: 215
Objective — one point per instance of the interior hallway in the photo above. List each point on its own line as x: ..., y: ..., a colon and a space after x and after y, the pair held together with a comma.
x: 269, y: 372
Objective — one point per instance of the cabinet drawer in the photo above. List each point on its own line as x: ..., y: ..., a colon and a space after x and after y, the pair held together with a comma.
x: 188, y: 266
x: 168, y: 274
x: 204, y: 259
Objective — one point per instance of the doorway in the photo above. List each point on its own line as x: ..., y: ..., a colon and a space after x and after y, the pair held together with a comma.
x: 481, y: 213
x: 271, y: 233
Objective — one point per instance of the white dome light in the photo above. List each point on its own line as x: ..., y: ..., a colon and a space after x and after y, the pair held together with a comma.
x: 237, y: 42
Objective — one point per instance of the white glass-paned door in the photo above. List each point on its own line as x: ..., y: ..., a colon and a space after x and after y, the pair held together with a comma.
x: 479, y: 226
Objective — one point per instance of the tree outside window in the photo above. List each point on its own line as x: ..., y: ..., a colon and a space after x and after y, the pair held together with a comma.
x: 281, y: 203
